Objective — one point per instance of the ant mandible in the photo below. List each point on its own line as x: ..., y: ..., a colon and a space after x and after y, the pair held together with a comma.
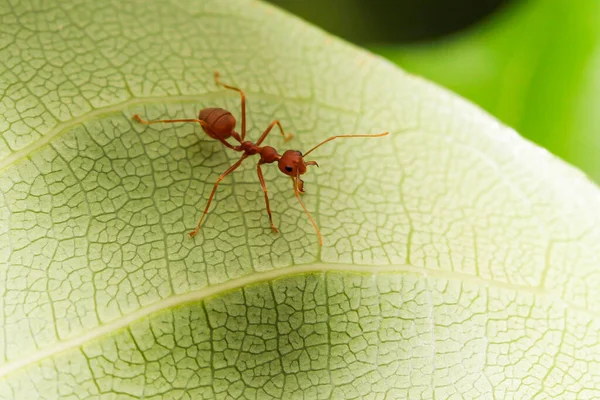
x: 219, y: 124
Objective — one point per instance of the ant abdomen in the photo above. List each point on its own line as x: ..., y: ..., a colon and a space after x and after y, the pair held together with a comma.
x: 220, y: 123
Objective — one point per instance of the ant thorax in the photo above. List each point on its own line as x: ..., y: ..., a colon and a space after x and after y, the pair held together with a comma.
x: 249, y: 148
x: 269, y: 155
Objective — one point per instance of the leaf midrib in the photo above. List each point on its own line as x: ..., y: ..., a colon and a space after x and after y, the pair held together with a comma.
x: 265, y: 276
x: 63, y: 127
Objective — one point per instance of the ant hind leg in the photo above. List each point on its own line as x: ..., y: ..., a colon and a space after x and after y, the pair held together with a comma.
x: 146, y: 122
x: 242, y: 95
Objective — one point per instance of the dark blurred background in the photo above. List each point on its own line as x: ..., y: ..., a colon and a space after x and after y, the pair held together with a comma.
x: 368, y: 22
x: 533, y: 64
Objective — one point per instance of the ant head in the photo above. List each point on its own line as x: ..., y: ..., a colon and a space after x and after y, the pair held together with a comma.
x: 292, y: 164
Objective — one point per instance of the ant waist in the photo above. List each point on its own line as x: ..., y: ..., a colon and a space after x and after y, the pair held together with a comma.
x: 268, y: 154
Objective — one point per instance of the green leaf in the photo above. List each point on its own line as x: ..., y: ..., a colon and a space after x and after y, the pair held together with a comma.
x: 534, y: 65
x: 459, y: 260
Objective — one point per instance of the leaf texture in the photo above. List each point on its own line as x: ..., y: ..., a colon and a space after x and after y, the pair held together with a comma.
x: 459, y: 260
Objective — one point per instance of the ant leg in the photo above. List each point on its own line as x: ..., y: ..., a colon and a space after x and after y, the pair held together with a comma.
x: 346, y: 136
x: 212, y: 194
x: 145, y: 122
x: 268, y: 130
x: 264, y: 188
x: 241, y: 92
x: 314, y: 224
x: 300, y: 185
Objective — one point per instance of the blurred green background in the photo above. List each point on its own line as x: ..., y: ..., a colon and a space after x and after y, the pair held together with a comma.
x: 534, y: 64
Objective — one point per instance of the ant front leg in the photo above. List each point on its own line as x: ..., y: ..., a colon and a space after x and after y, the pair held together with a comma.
x: 312, y: 221
x: 243, y: 96
x: 212, y: 194
x: 264, y: 188
x: 300, y: 185
x: 264, y: 135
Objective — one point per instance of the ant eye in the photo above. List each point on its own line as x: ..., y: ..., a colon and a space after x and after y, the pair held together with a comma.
x: 288, y: 168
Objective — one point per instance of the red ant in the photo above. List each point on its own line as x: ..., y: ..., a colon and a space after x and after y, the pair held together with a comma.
x: 219, y: 124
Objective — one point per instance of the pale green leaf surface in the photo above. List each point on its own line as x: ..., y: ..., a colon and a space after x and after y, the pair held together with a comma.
x: 458, y: 259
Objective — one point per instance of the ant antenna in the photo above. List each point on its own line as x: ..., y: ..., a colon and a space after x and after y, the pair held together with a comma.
x: 345, y: 136
x: 298, y: 184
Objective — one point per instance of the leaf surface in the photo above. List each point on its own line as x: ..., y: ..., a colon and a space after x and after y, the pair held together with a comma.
x: 458, y: 259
